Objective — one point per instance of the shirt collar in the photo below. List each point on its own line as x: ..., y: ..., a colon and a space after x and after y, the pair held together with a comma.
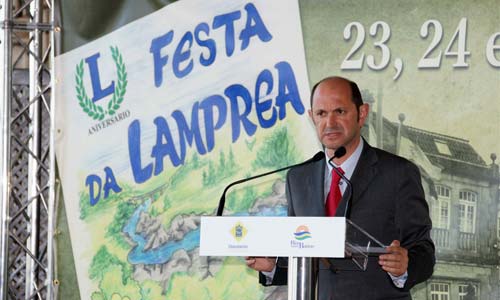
x: 350, y: 163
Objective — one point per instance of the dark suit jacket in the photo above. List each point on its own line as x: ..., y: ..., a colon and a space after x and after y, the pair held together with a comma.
x: 388, y: 201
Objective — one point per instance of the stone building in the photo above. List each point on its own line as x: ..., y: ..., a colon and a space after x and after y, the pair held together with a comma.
x: 463, y: 194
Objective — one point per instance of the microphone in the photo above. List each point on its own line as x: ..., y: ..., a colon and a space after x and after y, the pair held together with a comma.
x: 317, y: 157
x: 338, y: 154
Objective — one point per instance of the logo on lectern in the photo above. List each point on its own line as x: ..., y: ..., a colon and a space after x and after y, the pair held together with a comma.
x: 238, y: 231
x: 302, y: 233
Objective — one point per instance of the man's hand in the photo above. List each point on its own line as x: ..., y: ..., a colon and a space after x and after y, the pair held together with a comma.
x: 265, y: 264
x: 396, y: 261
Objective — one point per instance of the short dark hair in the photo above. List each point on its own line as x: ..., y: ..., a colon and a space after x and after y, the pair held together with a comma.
x: 355, y: 93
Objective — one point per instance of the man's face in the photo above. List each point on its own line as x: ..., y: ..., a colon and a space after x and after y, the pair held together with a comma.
x: 335, y: 116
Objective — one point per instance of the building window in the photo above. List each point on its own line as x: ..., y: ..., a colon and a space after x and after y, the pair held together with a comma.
x: 467, y: 209
x: 441, y: 211
x: 468, y: 291
x: 440, y: 291
x: 442, y: 147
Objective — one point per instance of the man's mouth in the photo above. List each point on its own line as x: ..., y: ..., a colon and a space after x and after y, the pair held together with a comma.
x: 332, y: 133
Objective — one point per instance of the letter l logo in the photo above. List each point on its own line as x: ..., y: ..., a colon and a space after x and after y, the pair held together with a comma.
x: 99, y: 93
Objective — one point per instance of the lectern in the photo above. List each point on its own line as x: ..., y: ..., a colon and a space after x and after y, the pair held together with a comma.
x: 304, y: 240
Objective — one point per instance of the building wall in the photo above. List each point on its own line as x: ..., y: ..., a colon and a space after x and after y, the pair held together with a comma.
x: 477, y: 267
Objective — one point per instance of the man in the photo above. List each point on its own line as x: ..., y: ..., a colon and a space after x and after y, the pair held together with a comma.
x: 388, y: 201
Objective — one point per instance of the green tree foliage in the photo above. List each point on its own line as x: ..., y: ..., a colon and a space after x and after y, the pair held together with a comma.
x: 221, y: 168
x: 195, y: 161
x: 231, y: 164
x: 123, y: 213
x: 183, y: 171
x: 103, y: 260
x: 249, y: 196
x: 225, y: 168
x: 154, y: 211
x: 205, y: 178
x: 246, y: 201
x: 111, y: 289
x: 180, y: 174
x: 166, y: 202
x: 97, y: 296
x: 86, y: 209
x: 211, y: 176
x: 232, y: 201
x: 242, y: 200
x: 277, y: 151
x: 150, y: 290
x: 84, y: 205
x: 250, y: 144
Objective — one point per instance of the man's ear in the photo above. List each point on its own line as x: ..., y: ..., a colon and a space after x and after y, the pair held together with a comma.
x: 310, y: 113
x: 363, y: 113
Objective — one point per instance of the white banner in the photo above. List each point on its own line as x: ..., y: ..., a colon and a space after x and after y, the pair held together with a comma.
x: 192, y: 80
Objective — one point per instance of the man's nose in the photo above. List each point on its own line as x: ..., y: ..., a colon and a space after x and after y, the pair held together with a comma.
x: 331, y: 119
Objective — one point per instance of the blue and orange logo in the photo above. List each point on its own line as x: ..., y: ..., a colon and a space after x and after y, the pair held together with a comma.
x: 302, y: 233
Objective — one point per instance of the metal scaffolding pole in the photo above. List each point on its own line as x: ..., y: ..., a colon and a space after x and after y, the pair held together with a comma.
x: 34, y: 144
x: 52, y: 281
x: 6, y: 47
x: 27, y: 163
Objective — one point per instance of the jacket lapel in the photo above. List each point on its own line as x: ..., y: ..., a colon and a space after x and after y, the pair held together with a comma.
x: 363, y: 174
x: 317, y: 199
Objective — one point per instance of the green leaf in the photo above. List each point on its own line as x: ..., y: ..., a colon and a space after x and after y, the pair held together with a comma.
x: 80, y: 68
x: 116, y: 106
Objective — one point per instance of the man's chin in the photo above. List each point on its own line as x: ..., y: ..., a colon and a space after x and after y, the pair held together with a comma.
x: 333, y: 143
x: 332, y: 146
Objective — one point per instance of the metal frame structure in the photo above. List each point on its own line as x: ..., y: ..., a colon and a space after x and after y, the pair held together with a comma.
x: 27, y: 165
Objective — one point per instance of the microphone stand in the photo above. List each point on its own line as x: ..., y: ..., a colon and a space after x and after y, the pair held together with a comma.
x: 303, y: 271
x: 220, y: 209
x: 341, y: 152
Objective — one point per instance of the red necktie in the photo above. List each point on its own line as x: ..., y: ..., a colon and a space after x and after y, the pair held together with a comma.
x: 334, y: 196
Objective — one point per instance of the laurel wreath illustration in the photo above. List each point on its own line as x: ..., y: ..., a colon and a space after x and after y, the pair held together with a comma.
x: 93, y: 110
